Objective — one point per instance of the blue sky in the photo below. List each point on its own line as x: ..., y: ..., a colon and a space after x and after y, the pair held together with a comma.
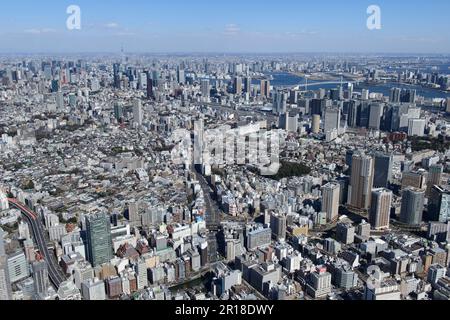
x: 408, y: 26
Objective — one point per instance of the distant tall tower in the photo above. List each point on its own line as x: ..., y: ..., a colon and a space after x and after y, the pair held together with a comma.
x: 434, y: 177
x: 205, y: 89
x: 394, y: 96
x: 361, y: 181
x: 237, y: 85
x: 280, y: 102
x: 149, y: 86
x: 330, y: 200
x: 248, y: 85
x: 380, y: 208
x: 122, y: 54
x: 181, y: 78
x: 55, y: 85
x: 137, y: 112
x: 265, y: 88
x: 116, y: 74
x: 99, y: 243
x: 412, y: 206
x: 40, y: 277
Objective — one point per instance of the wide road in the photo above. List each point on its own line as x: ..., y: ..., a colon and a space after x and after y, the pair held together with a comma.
x: 212, y: 216
x: 55, y: 274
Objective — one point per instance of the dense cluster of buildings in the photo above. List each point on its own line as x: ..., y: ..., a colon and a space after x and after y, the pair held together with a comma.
x: 91, y: 148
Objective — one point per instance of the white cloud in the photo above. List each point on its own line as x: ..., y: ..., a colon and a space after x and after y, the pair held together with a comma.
x: 301, y: 33
x: 125, y: 33
x: 418, y: 39
x: 32, y: 31
x: 231, y: 29
x: 112, y: 25
x: 39, y: 31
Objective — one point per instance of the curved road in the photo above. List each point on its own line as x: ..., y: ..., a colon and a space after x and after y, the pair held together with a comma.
x: 54, y: 272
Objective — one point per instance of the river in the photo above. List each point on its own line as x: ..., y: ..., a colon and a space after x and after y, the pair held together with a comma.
x: 284, y: 79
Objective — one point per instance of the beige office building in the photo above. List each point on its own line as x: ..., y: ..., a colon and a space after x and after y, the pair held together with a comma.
x: 380, y: 208
x: 315, y: 124
x: 361, y: 181
x: 330, y: 200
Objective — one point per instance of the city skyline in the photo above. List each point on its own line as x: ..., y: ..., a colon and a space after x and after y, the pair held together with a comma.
x: 234, y: 153
x: 232, y: 27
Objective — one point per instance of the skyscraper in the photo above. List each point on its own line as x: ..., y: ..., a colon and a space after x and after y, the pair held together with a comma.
x: 137, y: 112
x: 365, y: 94
x: 265, y: 88
x: 55, y: 86
x: 336, y: 94
x: 318, y: 106
x: 380, y: 208
x: 18, y: 267
x: 332, y: 119
x: 118, y: 111
x: 416, y: 127
x: 180, y: 75
x: 237, y: 85
x: 248, y: 85
x: 434, y: 177
x: 59, y: 98
x: 278, y: 226
x: 116, y: 74
x: 395, y: 95
x: 133, y: 214
x: 149, y: 86
x: 315, y: 127
x: 280, y: 102
x: 408, y: 96
x: 288, y: 122
x: 330, y: 200
x: 141, y: 272
x: 363, y: 115
x: 416, y: 179
x: 352, y: 111
x: 439, y: 204
x: 99, y: 243
x: 376, y: 111
x: 361, y: 181
x: 205, y: 88
x: 40, y: 277
x: 382, y: 170
x: 412, y: 206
